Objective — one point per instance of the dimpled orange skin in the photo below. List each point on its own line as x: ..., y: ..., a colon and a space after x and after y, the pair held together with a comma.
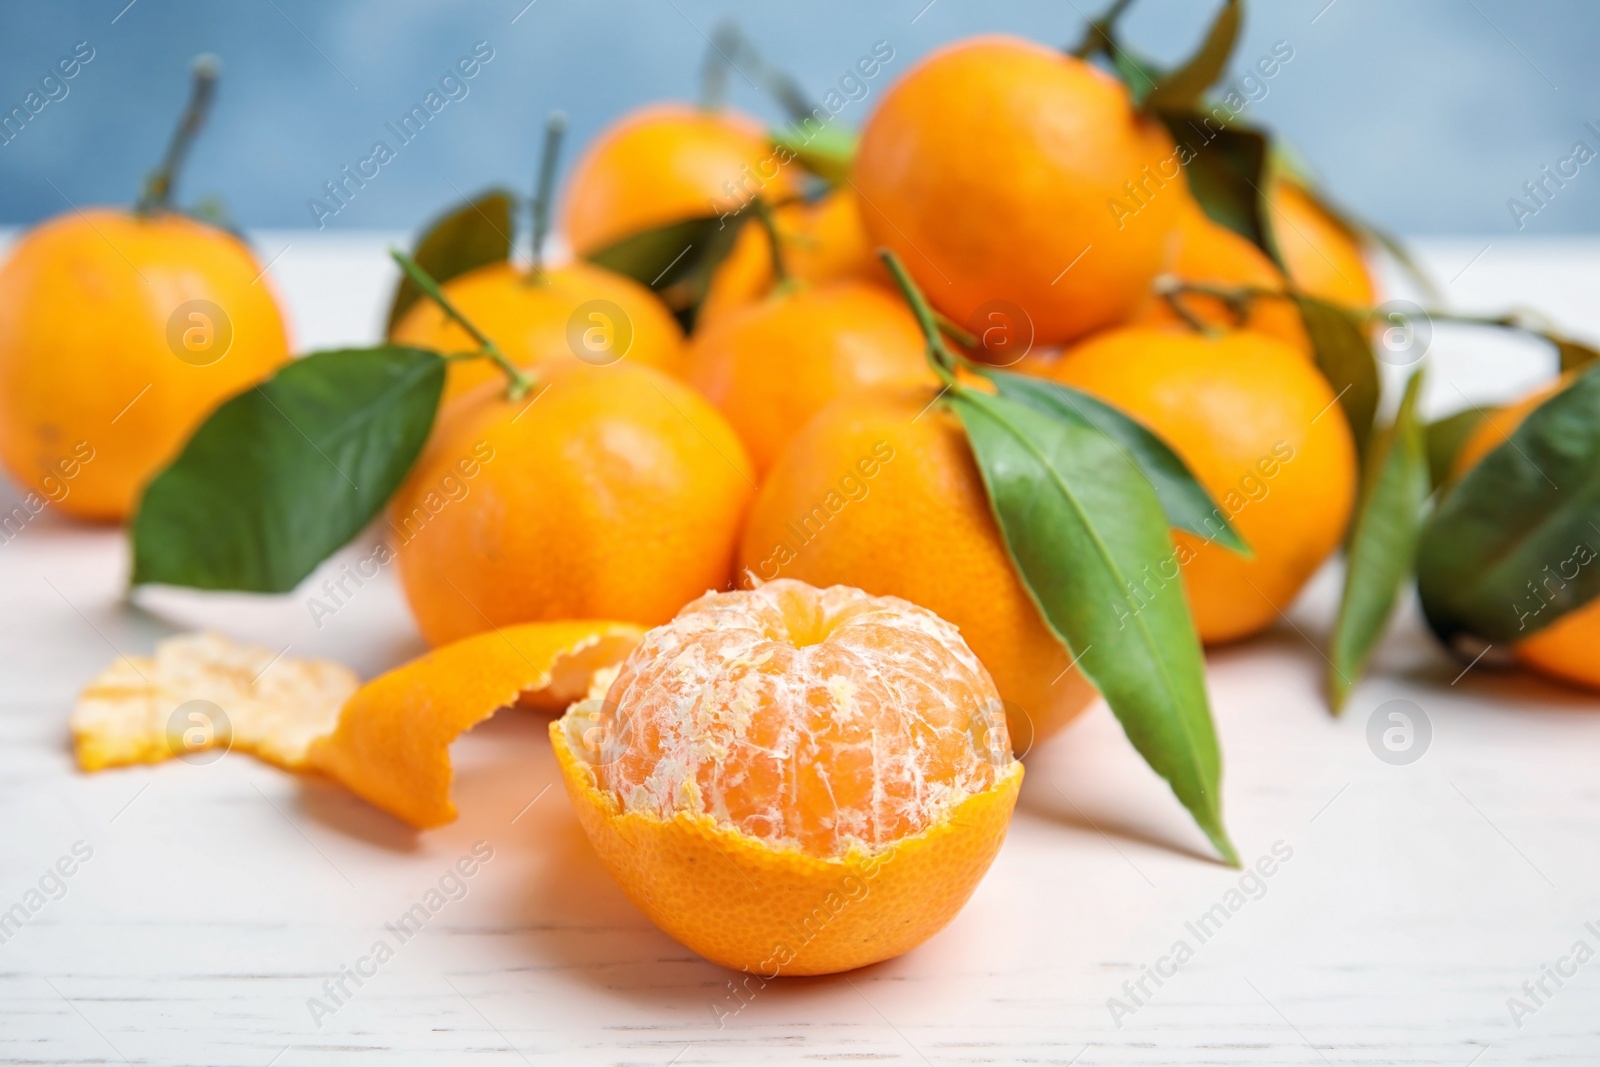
x: 1254, y: 421
x: 1208, y: 253
x: 85, y: 302
x: 991, y: 168
x: 822, y: 241
x: 617, y: 493
x: 790, y: 781
x: 880, y: 491
x: 772, y: 365
x: 529, y: 321
x: 1322, y: 257
x: 1568, y: 648
x: 668, y: 162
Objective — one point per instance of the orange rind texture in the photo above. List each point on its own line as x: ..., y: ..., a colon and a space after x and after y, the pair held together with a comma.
x: 200, y: 692
x: 392, y: 742
x: 745, y: 904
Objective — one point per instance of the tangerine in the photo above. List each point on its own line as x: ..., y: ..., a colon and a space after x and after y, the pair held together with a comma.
x: 1002, y: 170
x: 772, y: 365
x: 1208, y: 253
x: 668, y: 162
x: 615, y: 492
x: 1259, y: 428
x: 821, y: 241
x: 119, y: 333
x: 576, y: 311
x: 1322, y: 255
x: 795, y: 780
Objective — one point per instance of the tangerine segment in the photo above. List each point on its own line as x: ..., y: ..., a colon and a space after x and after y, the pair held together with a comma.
x: 392, y: 742
x: 814, y: 719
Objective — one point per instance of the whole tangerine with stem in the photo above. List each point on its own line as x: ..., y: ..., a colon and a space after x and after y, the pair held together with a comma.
x: 1207, y: 253
x: 1261, y: 430
x: 995, y: 168
x: 606, y: 493
x: 665, y: 163
x: 1566, y: 648
x: 792, y: 780
x: 544, y: 315
x: 120, y: 331
x: 820, y: 241
x: 772, y: 365
x: 540, y: 313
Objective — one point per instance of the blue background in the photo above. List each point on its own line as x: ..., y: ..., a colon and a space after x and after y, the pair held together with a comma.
x: 1425, y: 115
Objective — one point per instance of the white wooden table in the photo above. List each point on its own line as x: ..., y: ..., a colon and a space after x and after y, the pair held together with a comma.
x: 219, y: 899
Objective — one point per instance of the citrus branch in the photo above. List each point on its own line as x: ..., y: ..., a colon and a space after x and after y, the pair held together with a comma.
x: 157, y: 192
x: 520, y: 381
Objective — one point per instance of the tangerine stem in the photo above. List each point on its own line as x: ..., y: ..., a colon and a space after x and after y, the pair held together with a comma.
x: 520, y: 381
x: 780, y: 269
x: 1173, y: 291
x: 158, y: 187
x: 544, y: 189
x: 714, y: 66
x: 940, y: 358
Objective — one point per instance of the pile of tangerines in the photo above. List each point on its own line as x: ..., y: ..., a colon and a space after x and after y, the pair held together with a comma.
x: 764, y: 363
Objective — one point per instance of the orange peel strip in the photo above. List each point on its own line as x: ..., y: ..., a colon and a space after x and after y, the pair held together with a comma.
x: 745, y: 904
x: 392, y: 742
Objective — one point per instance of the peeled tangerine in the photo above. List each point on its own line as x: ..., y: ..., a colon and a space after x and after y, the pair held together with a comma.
x: 792, y: 780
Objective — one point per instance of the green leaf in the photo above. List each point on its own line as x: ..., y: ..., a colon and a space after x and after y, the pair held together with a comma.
x: 1383, y: 543
x: 1090, y: 541
x: 1344, y: 356
x: 1139, y: 74
x: 477, y: 233
x: 283, y: 474
x: 676, y: 260
x: 1184, y: 500
x: 826, y: 151
x: 1446, y: 438
x: 1185, y: 88
x: 1573, y: 354
x: 1511, y: 547
x: 1225, y: 169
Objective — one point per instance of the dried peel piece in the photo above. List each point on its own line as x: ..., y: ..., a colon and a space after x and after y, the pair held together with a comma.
x: 203, y: 692
x: 392, y: 742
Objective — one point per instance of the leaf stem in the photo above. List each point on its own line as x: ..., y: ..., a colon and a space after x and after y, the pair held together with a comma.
x: 521, y: 382
x: 544, y: 189
x: 943, y: 361
x: 158, y: 186
x: 954, y: 330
